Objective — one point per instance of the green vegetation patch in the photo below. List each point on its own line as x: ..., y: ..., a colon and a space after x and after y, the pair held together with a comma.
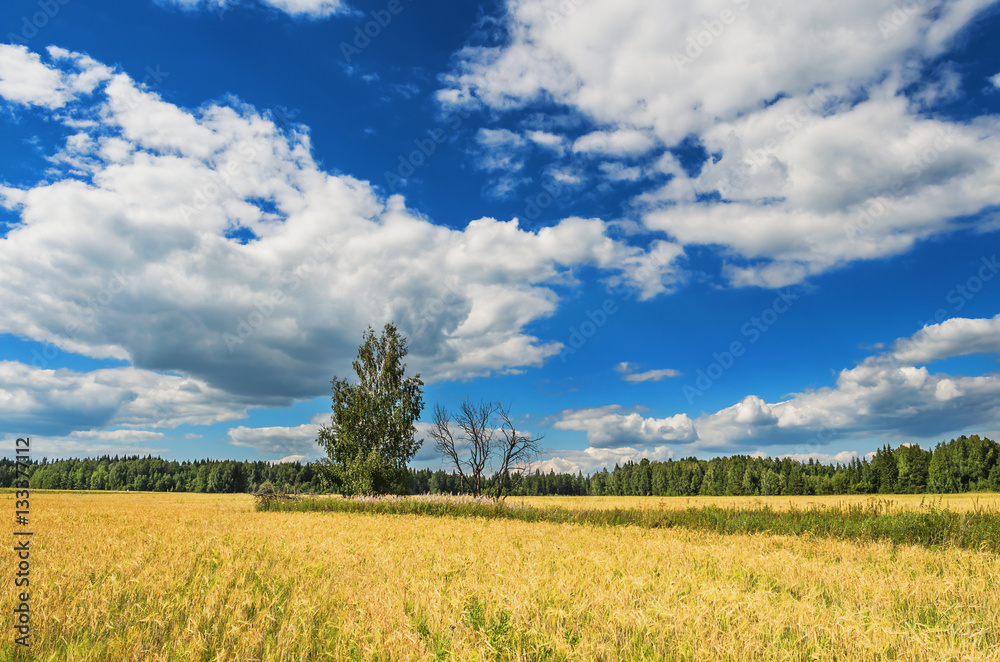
x: 873, y: 521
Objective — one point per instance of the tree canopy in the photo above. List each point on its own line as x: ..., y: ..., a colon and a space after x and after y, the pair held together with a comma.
x: 961, y: 465
x: 371, y: 435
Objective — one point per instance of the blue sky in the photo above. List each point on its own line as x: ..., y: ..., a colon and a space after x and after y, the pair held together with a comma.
x: 655, y: 229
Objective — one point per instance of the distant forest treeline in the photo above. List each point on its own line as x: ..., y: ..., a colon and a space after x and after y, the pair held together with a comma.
x: 960, y: 465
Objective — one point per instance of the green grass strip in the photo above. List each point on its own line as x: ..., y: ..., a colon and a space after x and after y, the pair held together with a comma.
x: 874, y: 521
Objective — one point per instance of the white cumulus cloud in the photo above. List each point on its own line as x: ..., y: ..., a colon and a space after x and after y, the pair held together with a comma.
x: 132, y: 253
x: 880, y: 396
x: 593, y: 459
x: 66, y: 402
x: 608, y: 426
x: 297, y: 441
x: 630, y: 373
x: 313, y: 9
x: 958, y: 336
x: 818, y: 147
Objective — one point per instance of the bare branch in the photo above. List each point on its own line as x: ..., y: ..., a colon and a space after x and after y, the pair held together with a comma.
x: 489, y: 445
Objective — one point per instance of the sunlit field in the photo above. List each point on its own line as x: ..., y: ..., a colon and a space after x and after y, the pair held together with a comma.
x: 959, y: 502
x: 154, y: 576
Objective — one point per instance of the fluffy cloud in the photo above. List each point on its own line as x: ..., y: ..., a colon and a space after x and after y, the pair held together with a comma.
x: 502, y: 153
x: 629, y: 373
x: 595, y: 459
x: 210, y: 245
x: 119, y: 436
x: 609, y: 427
x: 314, y: 9
x: 548, y: 140
x: 623, y: 142
x: 59, y: 402
x: 501, y: 139
x: 298, y: 441
x: 955, y: 337
x: 25, y: 80
x: 622, y: 63
x: 805, y: 188
x: 290, y: 459
x: 90, y: 443
x: 877, y: 397
x: 843, y: 457
x: 880, y: 396
x: 617, y: 172
x: 821, y: 149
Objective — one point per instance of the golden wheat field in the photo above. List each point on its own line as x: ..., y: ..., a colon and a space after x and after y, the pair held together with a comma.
x: 150, y: 577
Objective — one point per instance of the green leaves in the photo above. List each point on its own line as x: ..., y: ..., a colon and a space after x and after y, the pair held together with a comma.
x: 370, y: 438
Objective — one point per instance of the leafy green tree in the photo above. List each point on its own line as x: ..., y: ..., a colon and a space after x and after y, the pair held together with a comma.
x: 696, y: 477
x: 749, y: 481
x: 116, y: 476
x: 660, y: 481
x: 598, y: 483
x: 772, y: 482
x: 885, y: 470
x: 914, y: 463
x: 796, y: 483
x: 641, y: 479
x: 841, y: 482
x: 99, y: 479
x: 371, y: 433
x: 994, y: 478
x: 200, y: 479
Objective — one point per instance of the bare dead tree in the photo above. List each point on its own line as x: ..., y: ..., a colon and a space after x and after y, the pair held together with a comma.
x: 470, y: 453
x: 516, y: 452
x: 488, y: 444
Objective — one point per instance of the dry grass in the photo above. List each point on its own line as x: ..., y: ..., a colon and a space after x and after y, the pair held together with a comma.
x: 959, y: 502
x: 154, y: 577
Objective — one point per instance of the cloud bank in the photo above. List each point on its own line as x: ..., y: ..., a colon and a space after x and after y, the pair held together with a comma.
x: 891, y: 395
x: 207, y: 249
x: 810, y: 137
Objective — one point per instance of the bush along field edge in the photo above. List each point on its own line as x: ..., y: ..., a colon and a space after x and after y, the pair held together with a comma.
x: 877, y: 520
